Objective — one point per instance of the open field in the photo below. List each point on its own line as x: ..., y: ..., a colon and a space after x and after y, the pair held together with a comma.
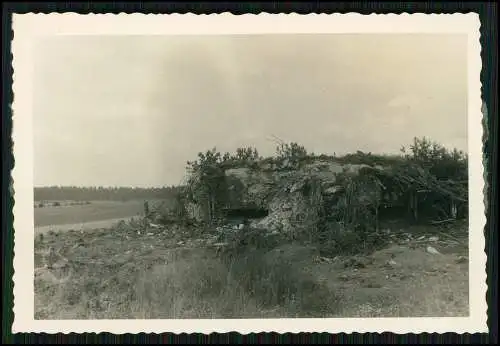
x: 138, y: 271
x: 76, y: 215
x: 82, y: 226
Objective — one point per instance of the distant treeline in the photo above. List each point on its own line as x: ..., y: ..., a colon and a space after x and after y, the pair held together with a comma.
x: 74, y: 193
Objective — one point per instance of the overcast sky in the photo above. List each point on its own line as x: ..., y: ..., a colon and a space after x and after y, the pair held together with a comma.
x: 131, y: 110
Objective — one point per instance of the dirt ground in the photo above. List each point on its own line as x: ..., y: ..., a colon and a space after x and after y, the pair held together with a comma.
x: 136, y: 271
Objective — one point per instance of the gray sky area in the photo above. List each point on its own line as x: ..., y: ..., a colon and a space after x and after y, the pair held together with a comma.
x: 131, y: 110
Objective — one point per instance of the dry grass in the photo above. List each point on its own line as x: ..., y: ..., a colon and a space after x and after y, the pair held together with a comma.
x: 119, y: 273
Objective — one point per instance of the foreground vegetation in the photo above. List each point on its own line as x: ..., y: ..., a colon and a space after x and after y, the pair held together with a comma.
x: 137, y: 271
x: 350, y: 262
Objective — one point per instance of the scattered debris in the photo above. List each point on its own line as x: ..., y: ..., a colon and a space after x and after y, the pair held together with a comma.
x: 434, y: 239
x: 461, y: 259
x: 442, y: 221
x: 320, y: 259
x: 220, y: 244
x: 327, y: 259
x: 432, y: 250
x: 391, y: 263
x: 357, y: 262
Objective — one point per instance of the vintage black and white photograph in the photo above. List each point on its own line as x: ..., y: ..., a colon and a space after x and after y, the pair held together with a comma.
x: 222, y: 176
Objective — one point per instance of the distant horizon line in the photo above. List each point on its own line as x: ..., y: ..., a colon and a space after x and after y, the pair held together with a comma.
x: 277, y: 141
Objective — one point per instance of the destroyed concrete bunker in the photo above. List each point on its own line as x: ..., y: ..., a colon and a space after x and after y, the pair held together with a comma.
x: 291, y: 201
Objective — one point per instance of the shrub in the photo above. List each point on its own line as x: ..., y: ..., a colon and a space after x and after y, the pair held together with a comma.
x: 291, y: 152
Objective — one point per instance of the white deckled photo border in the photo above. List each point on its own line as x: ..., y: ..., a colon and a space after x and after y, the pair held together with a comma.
x: 29, y: 27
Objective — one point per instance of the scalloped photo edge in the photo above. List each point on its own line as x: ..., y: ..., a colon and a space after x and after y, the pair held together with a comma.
x: 28, y: 28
